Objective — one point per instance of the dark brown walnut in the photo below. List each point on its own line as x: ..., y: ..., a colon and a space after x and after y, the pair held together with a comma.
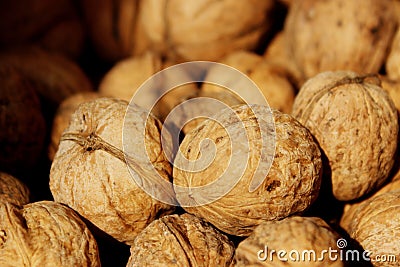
x: 55, y: 77
x: 376, y: 226
x: 289, y: 187
x: 271, y: 79
x: 181, y: 240
x: 205, y: 30
x: 292, y: 235
x: 350, y: 209
x: 55, y: 26
x: 393, y: 59
x: 13, y: 190
x: 321, y: 35
x: 355, y: 123
x: 111, y: 26
x: 21, y: 122
x: 90, y: 173
x: 63, y: 117
x: 45, y: 234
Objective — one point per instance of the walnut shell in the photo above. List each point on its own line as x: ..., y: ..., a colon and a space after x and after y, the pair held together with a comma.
x: 55, y: 77
x: 350, y: 209
x: 22, y: 123
x: 271, y: 79
x: 393, y: 89
x: 321, y: 35
x: 181, y: 240
x: 89, y: 172
x: 13, y: 190
x: 393, y: 59
x: 291, y: 185
x: 126, y: 76
x: 296, y: 234
x: 355, y: 123
x: 63, y: 116
x: 45, y: 234
x: 277, y: 53
x: 376, y: 226
x: 205, y: 30
x: 42, y: 22
x: 111, y: 26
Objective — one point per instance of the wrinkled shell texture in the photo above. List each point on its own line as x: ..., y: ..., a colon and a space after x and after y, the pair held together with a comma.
x: 292, y: 233
x: 55, y: 77
x: 269, y: 78
x: 205, y: 30
x: 45, y: 234
x: 13, y: 190
x: 181, y: 240
x: 321, y: 40
x: 393, y: 59
x: 376, y: 226
x: 89, y: 172
x: 290, y: 186
x: 63, y: 117
x: 351, y: 208
x: 21, y: 121
x: 355, y: 123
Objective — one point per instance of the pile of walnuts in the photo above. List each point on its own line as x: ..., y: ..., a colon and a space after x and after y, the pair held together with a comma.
x: 297, y: 167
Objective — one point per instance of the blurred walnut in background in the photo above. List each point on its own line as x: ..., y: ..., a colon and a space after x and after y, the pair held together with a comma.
x: 179, y: 30
x: 54, y: 25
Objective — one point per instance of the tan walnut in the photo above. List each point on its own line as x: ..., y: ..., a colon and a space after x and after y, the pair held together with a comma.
x: 376, y: 226
x: 181, y: 240
x: 290, y: 186
x: 355, y: 123
x: 90, y: 172
x: 302, y: 240
x: 339, y: 35
x: 45, y: 233
x: 13, y: 190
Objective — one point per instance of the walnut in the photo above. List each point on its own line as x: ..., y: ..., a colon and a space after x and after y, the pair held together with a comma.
x: 376, y: 226
x: 393, y: 89
x: 355, y: 123
x: 111, y: 26
x: 89, y: 172
x: 54, y: 76
x: 126, y: 76
x: 181, y: 240
x: 45, y: 234
x: 13, y: 190
x: 205, y: 30
x: 351, y: 208
x: 270, y: 78
x: 55, y: 26
x: 290, y: 186
x: 277, y: 53
x: 63, y: 116
x: 321, y: 35
x: 393, y: 59
x: 292, y: 235
x: 22, y: 123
